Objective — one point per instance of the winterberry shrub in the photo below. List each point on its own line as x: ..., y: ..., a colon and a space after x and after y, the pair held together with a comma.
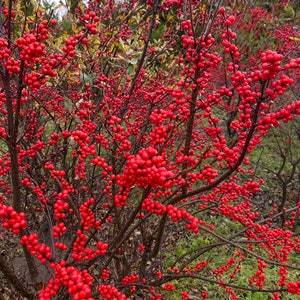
x: 127, y: 127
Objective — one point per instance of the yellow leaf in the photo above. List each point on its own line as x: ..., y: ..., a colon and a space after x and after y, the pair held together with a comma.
x: 74, y: 28
x: 293, y: 38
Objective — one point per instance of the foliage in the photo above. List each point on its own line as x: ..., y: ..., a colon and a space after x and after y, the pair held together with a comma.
x: 127, y: 130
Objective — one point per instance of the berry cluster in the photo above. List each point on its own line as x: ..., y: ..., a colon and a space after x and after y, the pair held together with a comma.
x: 59, y: 207
x: 59, y: 230
x: 81, y: 252
x: 259, y: 277
x: 105, y: 275
x: 270, y: 64
x: 4, y: 51
x: 41, y: 251
x: 110, y: 292
x: 132, y: 278
x: 87, y: 216
x: 78, y: 283
x: 30, y: 49
x: 11, y: 219
x: 294, y: 287
x: 146, y: 168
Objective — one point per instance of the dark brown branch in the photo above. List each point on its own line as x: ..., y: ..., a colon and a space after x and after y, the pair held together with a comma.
x: 14, y: 280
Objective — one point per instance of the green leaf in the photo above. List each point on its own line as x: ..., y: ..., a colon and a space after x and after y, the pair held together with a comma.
x: 121, y: 45
x: 130, y: 69
x: 289, y: 10
x: 158, y: 32
x: 84, y: 78
x: 68, y: 104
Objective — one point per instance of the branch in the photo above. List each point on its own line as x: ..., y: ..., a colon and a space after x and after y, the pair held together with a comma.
x: 233, y: 168
x: 178, y: 276
x: 14, y: 280
x: 234, y: 244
